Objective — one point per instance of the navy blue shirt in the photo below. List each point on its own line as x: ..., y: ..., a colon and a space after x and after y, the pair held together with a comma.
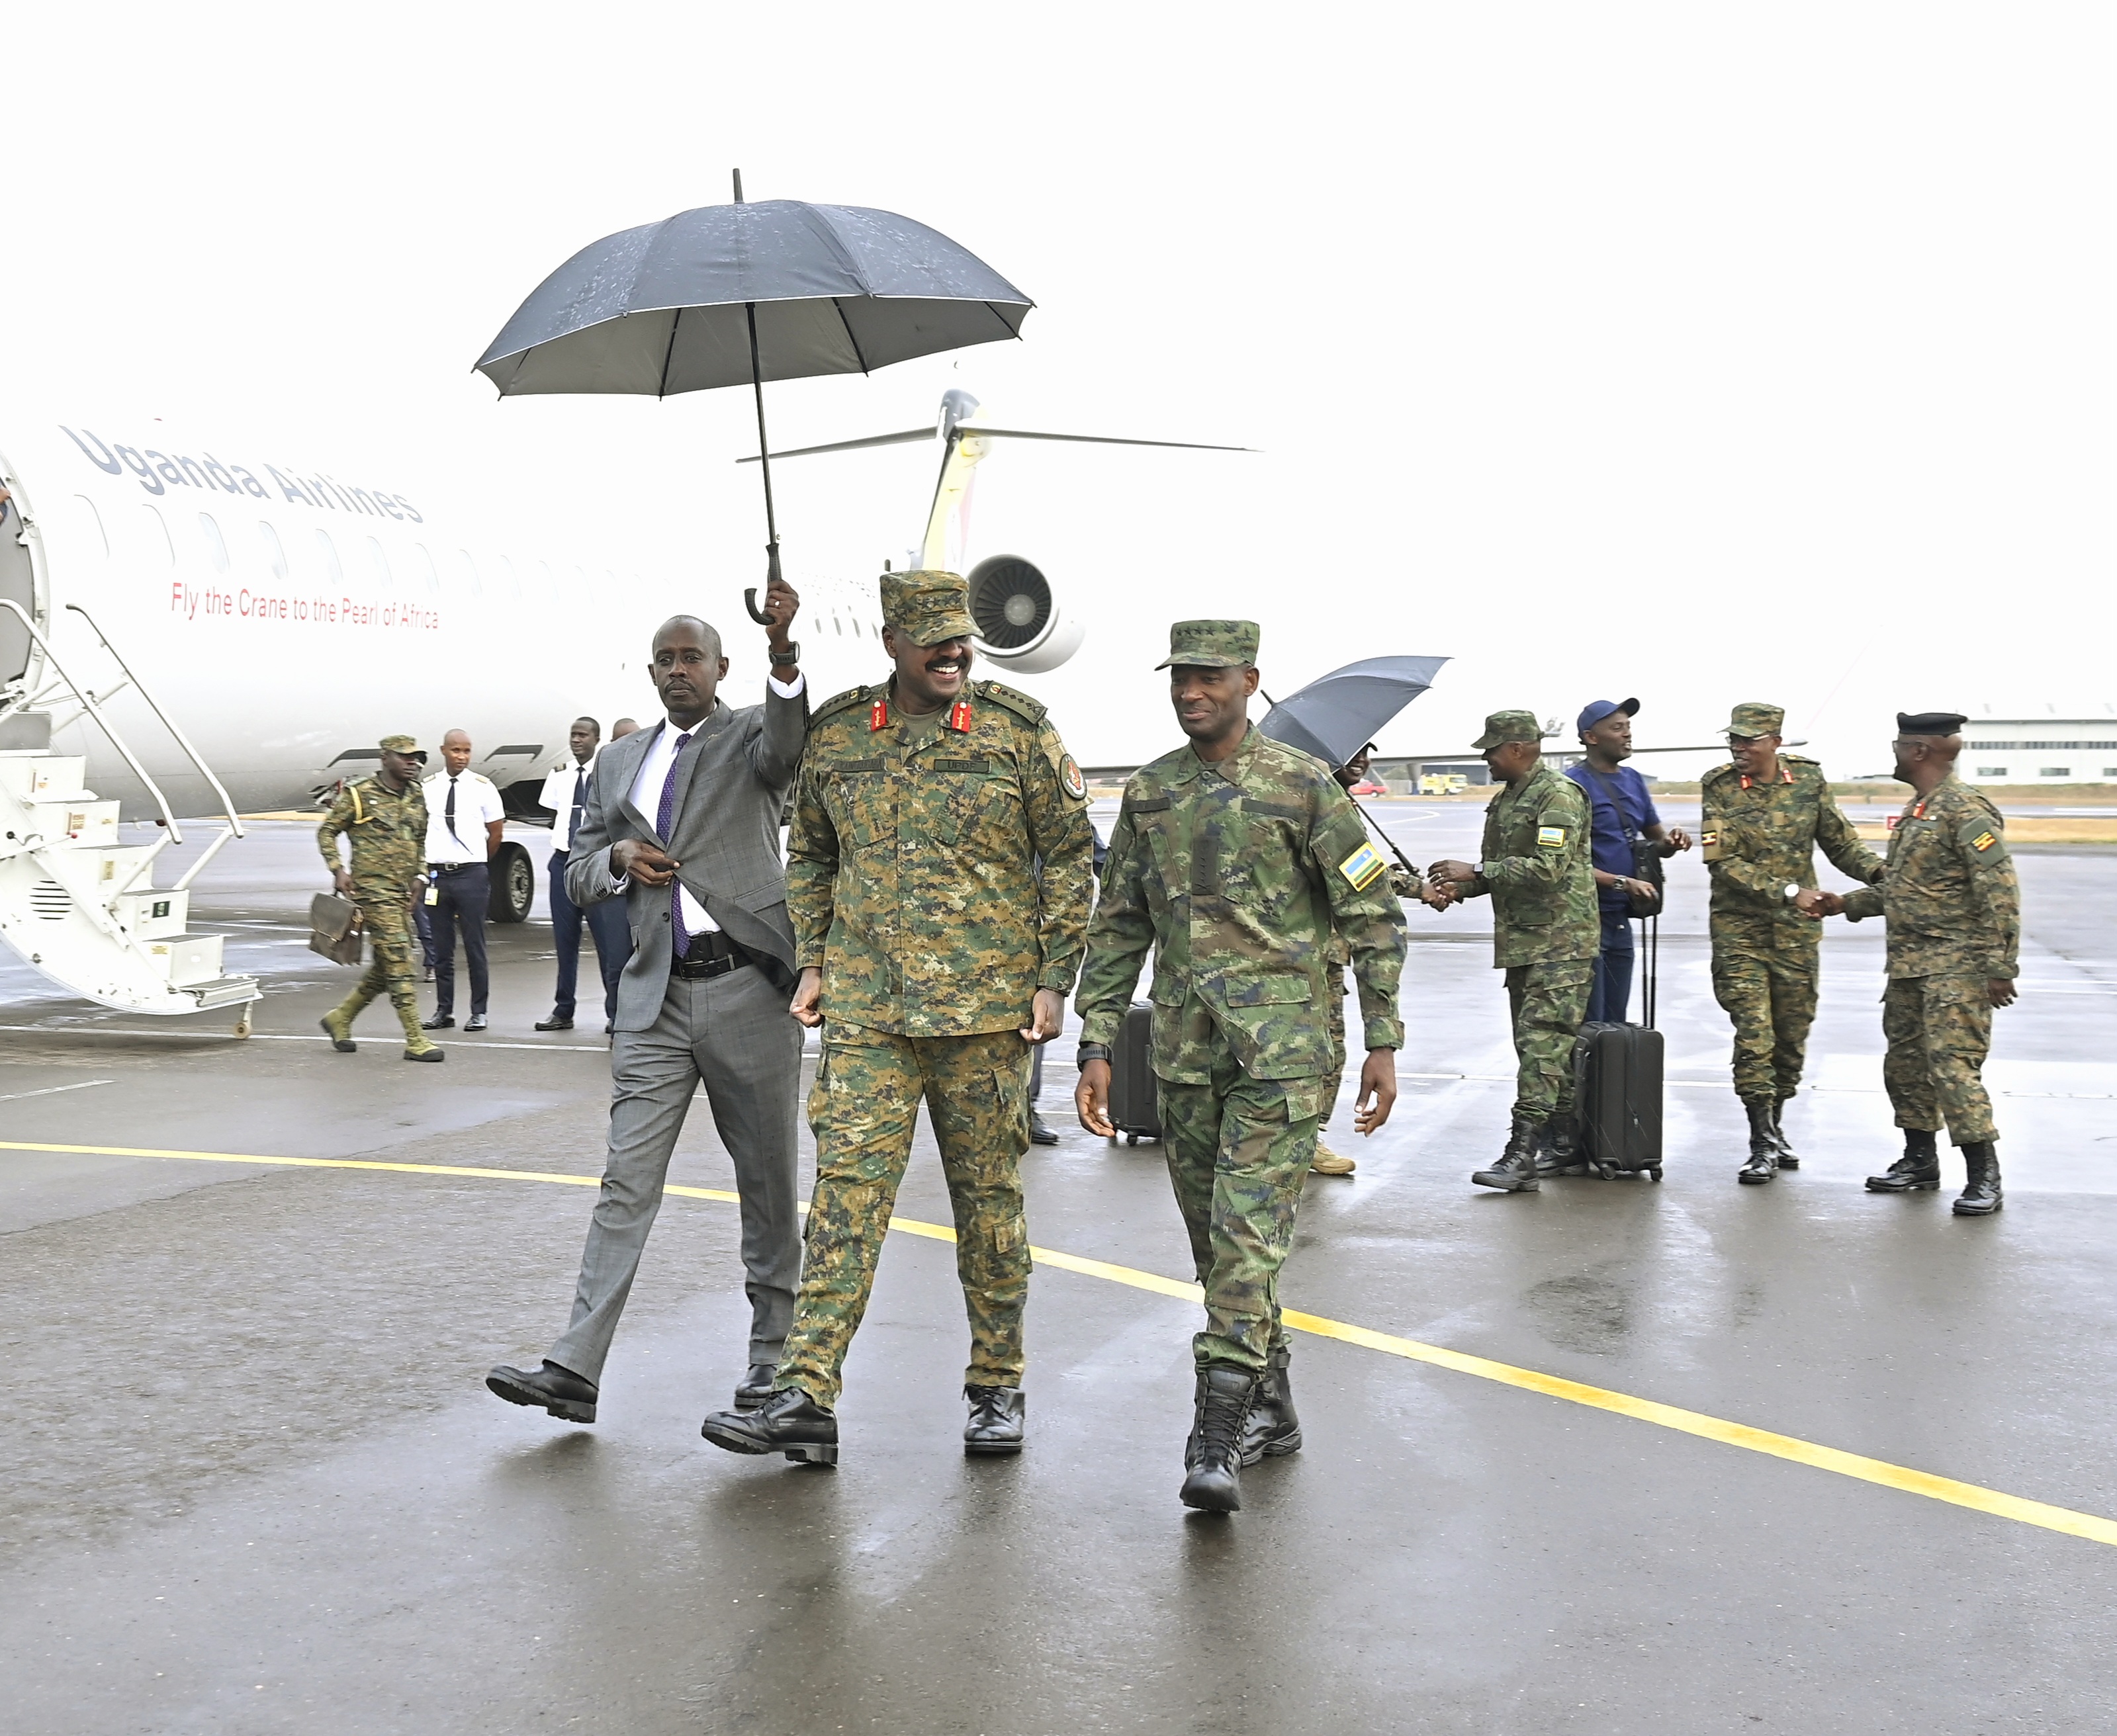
x: 1606, y: 831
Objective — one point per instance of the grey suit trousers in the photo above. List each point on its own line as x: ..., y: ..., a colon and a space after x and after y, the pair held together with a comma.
x: 733, y: 1032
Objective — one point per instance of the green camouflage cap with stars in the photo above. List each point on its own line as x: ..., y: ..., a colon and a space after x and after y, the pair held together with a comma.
x: 1212, y: 645
x: 927, y: 606
x: 1753, y: 718
x: 1505, y: 726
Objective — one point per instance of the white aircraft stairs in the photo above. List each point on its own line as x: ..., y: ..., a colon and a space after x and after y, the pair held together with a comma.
x: 78, y: 904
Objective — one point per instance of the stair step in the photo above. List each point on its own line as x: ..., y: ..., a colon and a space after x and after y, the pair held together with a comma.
x: 224, y: 992
x: 150, y: 915
x: 42, y: 777
x: 186, y: 960
x: 80, y: 825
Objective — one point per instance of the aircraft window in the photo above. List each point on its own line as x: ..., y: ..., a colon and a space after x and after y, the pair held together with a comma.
x: 422, y: 567
x: 275, y: 555
x: 159, y: 535
x: 95, y: 522
x: 215, y: 545
x: 467, y: 568
x: 329, y: 551
x: 380, y: 562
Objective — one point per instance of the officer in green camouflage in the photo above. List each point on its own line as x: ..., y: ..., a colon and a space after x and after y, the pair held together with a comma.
x: 933, y: 956
x: 384, y: 819
x: 1763, y: 818
x: 1954, y: 912
x: 1236, y: 859
x: 1547, y: 932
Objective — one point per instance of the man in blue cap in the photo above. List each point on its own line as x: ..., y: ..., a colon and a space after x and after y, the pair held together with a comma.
x: 1621, y: 810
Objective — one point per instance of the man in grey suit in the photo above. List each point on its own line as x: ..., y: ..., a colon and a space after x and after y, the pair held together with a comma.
x: 682, y: 822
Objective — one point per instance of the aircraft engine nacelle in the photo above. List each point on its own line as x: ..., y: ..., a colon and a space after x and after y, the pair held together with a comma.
x: 1020, y: 627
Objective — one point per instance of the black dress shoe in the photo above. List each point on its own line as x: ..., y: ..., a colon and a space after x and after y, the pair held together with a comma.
x: 554, y: 1023
x: 560, y: 1390
x: 1273, y: 1430
x: 439, y: 1022
x: 1213, y: 1457
x: 755, y: 1386
x: 476, y: 1022
x: 1039, y: 1133
x: 996, y: 1415
x: 790, y: 1422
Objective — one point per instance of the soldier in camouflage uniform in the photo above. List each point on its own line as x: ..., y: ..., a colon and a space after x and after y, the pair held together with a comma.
x: 1236, y: 859
x: 1547, y: 932
x: 384, y: 819
x: 1954, y: 912
x: 1762, y: 819
x: 932, y: 957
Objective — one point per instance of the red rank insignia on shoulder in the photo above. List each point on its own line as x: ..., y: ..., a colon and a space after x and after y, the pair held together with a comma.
x: 878, y: 716
x: 959, y: 716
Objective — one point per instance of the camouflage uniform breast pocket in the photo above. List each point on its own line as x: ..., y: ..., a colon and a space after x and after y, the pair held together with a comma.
x: 858, y: 801
x: 981, y: 810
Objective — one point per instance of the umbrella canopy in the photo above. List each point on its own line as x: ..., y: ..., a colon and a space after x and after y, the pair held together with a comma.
x: 1337, y: 715
x: 836, y: 289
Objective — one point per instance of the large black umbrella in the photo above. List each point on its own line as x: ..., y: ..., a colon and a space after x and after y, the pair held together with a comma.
x: 1337, y: 715
x: 734, y: 294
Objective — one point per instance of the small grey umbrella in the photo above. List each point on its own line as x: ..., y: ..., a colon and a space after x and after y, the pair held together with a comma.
x: 1337, y: 715
x: 738, y: 294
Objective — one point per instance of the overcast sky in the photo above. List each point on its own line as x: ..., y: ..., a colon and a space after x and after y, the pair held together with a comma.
x: 1702, y: 353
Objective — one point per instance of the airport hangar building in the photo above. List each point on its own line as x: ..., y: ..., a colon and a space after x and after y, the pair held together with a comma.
x: 2075, y: 750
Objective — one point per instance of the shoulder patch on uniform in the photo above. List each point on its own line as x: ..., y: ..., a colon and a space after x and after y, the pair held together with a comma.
x: 1069, y: 774
x: 1984, y: 840
x: 1013, y: 699
x: 1363, y: 867
x: 1552, y: 837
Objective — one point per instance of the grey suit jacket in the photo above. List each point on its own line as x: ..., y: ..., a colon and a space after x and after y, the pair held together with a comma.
x: 731, y: 783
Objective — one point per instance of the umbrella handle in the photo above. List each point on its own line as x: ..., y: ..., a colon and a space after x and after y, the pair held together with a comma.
x: 771, y: 576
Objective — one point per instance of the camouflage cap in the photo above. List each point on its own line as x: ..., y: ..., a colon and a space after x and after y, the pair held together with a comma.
x: 927, y: 606
x: 1753, y: 718
x: 406, y: 745
x: 1212, y: 645
x: 1505, y: 726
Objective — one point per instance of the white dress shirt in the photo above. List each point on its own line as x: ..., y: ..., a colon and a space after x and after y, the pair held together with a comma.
x: 478, y: 800
x: 561, y: 786
x: 647, y: 797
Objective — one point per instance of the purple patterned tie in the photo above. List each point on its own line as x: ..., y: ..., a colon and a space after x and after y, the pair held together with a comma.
x: 664, y: 817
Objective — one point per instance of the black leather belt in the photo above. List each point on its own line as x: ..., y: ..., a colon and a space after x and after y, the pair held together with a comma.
x: 710, y: 956
x: 453, y: 867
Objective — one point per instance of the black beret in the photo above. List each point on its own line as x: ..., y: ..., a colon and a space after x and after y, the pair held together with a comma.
x: 1929, y: 723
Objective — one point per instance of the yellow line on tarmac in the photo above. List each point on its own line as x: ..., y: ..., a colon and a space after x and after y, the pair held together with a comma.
x: 1978, y: 1498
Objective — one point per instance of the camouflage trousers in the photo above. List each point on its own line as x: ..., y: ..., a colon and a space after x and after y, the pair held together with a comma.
x: 1939, y: 1030
x: 1769, y: 990
x: 862, y: 1109
x: 390, y: 969
x: 1548, y: 1003
x: 1238, y: 1149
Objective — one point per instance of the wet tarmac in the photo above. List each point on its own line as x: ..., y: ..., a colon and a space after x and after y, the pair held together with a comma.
x: 258, y: 1486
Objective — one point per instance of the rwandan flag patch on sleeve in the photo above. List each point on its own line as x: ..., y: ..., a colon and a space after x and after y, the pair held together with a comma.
x: 1550, y: 837
x: 1362, y: 867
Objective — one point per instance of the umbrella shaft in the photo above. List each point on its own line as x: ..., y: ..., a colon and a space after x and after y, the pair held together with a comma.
x: 763, y: 445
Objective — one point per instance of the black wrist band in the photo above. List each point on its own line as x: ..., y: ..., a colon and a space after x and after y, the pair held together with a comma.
x: 1092, y: 1051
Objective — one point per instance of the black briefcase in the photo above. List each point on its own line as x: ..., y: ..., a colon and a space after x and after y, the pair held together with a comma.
x: 1617, y: 1086
x: 335, y: 927
x: 1135, y: 1097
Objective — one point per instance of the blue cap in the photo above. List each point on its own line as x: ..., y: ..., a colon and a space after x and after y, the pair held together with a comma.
x: 1596, y: 709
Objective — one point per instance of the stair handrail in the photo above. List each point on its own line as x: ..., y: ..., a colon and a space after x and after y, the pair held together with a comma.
x: 183, y: 740
x: 94, y: 711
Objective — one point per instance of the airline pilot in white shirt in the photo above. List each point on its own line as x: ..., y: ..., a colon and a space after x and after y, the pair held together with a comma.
x: 464, y: 815
x: 566, y: 793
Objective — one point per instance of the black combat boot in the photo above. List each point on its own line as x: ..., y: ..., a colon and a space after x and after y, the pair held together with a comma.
x: 1515, y: 1172
x: 1213, y: 1456
x: 998, y: 1414
x: 1559, y: 1153
x: 1273, y: 1430
x: 790, y: 1421
x: 1980, y: 1195
x: 1788, y: 1158
x: 1917, y: 1170
x: 1763, y: 1162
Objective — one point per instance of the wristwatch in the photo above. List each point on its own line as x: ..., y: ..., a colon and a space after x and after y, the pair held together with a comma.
x: 788, y: 657
x: 1092, y: 1051
x: 1792, y: 890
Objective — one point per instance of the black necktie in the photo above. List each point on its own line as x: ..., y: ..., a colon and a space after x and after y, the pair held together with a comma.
x: 449, y: 811
x: 580, y: 801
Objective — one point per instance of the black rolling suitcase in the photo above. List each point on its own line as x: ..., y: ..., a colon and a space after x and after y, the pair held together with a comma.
x: 1135, y: 1102
x: 1618, y: 1086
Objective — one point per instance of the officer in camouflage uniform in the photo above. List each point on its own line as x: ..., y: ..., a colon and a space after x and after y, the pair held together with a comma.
x: 1546, y: 932
x: 1955, y: 911
x: 933, y: 956
x: 384, y: 819
x: 1762, y: 819
x: 1237, y: 859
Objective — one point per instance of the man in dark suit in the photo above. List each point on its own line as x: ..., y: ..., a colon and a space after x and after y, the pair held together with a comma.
x: 682, y: 822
